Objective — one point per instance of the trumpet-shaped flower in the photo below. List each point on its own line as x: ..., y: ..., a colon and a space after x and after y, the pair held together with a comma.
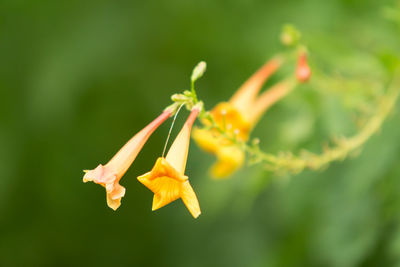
x: 238, y: 117
x: 110, y: 174
x: 167, y: 179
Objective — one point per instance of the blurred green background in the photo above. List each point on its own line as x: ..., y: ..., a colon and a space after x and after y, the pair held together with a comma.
x: 79, y: 78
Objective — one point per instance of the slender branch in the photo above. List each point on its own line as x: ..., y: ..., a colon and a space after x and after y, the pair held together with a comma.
x: 344, y: 146
x: 307, y: 160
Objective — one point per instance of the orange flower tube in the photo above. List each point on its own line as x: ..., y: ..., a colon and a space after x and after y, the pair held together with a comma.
x: 110, y: 174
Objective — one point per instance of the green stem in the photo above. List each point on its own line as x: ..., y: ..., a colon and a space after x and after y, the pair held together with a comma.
x: 193, y: 90
x: 295, y: 164
x: 345, y: 146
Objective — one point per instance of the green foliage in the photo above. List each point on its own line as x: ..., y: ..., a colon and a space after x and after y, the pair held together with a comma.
x: 79, y: 78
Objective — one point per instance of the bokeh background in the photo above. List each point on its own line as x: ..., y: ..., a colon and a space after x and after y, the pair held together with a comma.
x: 79, y: 78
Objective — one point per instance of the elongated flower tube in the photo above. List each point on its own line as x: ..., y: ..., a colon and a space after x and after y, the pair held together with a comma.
x: 238, y: 117
x: 167, y: 179
x: 110, y: 174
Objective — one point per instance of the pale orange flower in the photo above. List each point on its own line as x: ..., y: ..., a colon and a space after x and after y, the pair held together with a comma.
x: 167, y: 179
x: 110, y: 174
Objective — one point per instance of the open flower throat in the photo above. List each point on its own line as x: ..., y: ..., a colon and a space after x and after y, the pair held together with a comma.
x: 229, y: 118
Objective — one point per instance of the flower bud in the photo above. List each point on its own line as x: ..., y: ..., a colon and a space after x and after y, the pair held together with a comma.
x: 303, y: 71
x: 290, y: 36
x: 198, y: 71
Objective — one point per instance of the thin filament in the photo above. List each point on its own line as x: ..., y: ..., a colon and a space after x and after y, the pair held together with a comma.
x: 170, y: 129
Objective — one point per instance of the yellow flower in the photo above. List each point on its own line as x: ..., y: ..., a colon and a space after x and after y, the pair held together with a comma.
x: 238, y: 117
x: 110, y: 174
x: 167, y: 179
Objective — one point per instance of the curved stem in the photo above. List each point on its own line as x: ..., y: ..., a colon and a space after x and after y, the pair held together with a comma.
x: 345, y: 146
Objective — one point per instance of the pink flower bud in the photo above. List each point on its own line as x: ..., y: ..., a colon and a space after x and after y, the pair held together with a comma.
x: 303, y: 71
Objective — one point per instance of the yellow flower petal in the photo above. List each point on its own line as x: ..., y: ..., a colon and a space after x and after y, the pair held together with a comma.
x: 230, y: 119
x: 229, y: 156
x: 206, y: 139
x: 165, y: 191
x: 168, y: 185
x: 189, y: 198
x: 229, y: 160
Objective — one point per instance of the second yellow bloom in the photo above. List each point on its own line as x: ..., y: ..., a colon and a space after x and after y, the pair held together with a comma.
x: 167, y: 179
